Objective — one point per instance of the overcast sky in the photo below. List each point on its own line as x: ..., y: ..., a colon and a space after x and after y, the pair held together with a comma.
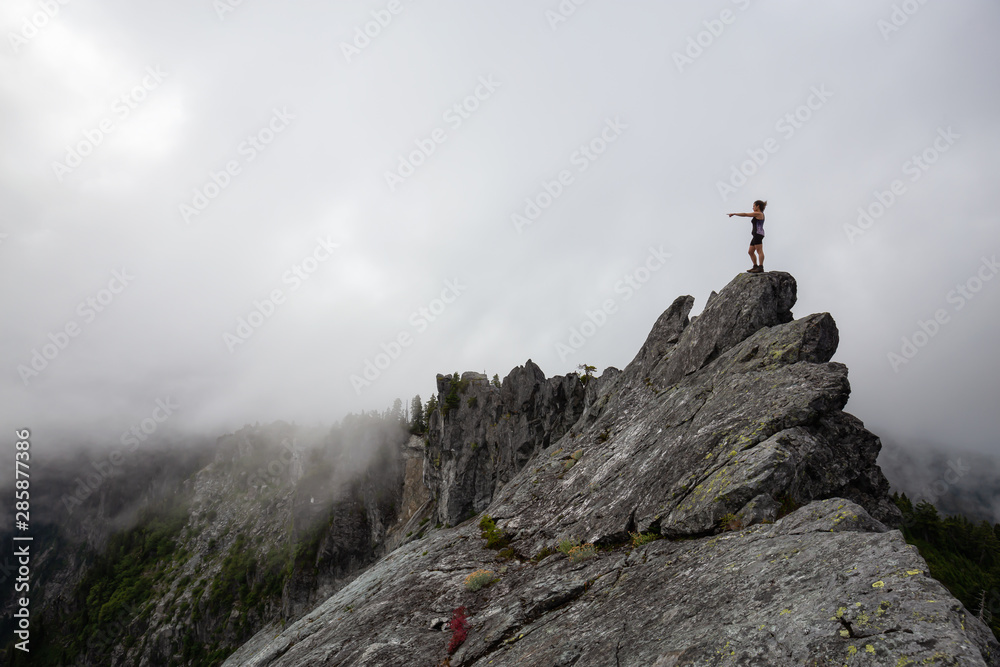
x: 169, y: 168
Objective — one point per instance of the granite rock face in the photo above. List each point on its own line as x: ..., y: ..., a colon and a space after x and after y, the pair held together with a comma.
x: 489, y: 433
x: 726, y: 438
x: 825, y: 585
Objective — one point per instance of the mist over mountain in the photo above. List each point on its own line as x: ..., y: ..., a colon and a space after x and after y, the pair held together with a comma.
x: 956, y: 481
x: 599, y: 106
x: 105, y: 525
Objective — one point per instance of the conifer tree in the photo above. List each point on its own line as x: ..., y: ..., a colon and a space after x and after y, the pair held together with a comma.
x: 417, y: 424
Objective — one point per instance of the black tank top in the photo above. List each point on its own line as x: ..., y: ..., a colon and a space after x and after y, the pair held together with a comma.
x: 758, y: 225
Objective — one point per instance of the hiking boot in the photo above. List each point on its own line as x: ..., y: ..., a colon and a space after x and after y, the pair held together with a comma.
x: 756, y: 269
x: 753, y: 270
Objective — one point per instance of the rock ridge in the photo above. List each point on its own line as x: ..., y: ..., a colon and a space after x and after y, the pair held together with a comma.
x: 725, y: 441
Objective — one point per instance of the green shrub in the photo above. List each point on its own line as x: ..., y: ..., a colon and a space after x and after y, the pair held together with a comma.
x: 565, y: 546
x: 574, y: 457
x: 495, y: 538
x: 582, y: 552
x: 639, y: 539
x: 507, y: 553
x: 480, y: 579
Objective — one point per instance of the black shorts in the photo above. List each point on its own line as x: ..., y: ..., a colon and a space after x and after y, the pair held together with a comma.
x: 758, y: 239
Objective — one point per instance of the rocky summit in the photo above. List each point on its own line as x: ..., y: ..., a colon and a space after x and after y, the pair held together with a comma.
x: 710, y: 504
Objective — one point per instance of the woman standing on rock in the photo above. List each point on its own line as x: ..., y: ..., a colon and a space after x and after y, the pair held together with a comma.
x: 757, y: 240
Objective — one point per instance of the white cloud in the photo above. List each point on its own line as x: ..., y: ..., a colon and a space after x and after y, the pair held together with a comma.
x: 325, y: 175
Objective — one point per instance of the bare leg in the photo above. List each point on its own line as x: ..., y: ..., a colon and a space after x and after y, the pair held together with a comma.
x: 759, y: 249
x: 753, y: 257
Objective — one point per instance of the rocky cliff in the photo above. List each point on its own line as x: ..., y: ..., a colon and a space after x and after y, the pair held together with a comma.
x: 178, y: 556
x: 711, y: 504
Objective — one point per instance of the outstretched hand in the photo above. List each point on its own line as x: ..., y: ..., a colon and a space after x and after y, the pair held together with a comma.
x: 730, y: 214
